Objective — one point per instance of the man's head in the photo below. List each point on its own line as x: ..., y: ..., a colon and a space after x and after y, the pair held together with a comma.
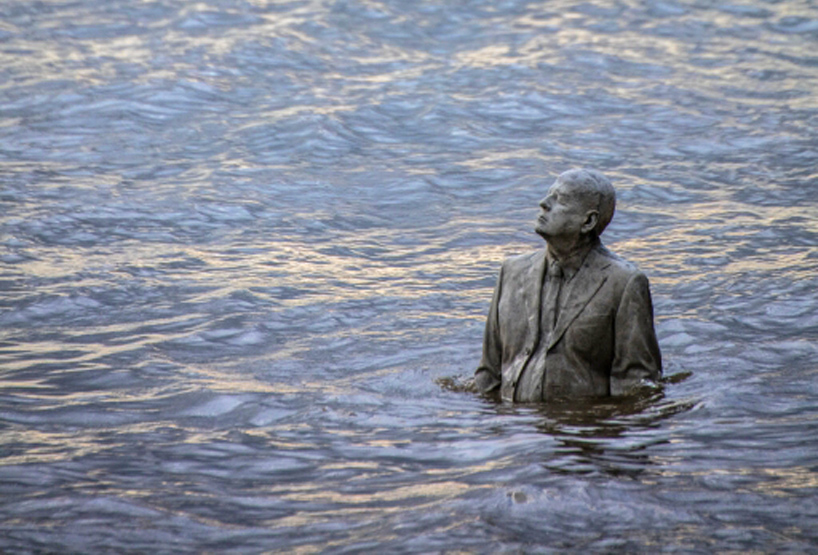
x: 579, y: 205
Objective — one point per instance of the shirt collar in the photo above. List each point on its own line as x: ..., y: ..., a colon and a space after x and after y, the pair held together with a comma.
x: 571, y: 264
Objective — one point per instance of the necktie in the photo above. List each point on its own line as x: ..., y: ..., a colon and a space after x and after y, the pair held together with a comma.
x: 552, y: 295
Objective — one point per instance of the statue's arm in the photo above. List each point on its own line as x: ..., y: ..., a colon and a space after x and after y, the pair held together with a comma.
x: 636, y: 350
x: 488, y: 375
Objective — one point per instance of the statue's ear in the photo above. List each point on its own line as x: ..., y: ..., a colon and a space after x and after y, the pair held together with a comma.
x: 591, y: 219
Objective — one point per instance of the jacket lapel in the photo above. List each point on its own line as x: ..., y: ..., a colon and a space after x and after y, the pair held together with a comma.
x: 579, y: 292
x: 532, y: 292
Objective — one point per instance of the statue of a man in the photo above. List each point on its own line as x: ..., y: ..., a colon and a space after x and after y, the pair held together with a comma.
x: 572, y: 319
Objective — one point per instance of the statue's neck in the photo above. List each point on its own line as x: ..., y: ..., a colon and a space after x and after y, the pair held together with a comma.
x: 576, y: 249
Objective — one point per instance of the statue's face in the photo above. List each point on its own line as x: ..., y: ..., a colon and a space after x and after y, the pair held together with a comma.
x: 562, y: 214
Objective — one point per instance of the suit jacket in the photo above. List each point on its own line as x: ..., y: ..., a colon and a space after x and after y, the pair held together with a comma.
x: 603, y: 342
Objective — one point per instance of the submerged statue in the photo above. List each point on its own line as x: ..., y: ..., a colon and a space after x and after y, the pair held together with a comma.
x: 572, y: 319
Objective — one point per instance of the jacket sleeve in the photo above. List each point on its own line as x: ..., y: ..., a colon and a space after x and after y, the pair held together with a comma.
x: 636, y: 350
x: 488, y: 375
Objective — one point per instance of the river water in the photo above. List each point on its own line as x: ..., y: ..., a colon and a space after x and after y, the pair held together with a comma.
x: 247, y: 248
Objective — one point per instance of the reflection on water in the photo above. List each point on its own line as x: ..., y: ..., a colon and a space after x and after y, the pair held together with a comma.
x: 608, y: 435
x: 612, y: 436
x: 246, y: 250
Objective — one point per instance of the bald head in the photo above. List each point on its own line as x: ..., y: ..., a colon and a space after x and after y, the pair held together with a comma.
x: 595, y: 192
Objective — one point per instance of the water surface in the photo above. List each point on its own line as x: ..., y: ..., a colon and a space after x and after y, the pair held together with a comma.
x: 247, y: 249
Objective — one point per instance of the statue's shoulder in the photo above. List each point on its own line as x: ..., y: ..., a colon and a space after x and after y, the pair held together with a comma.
x: 615, y: 264
x: 525, y: 261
